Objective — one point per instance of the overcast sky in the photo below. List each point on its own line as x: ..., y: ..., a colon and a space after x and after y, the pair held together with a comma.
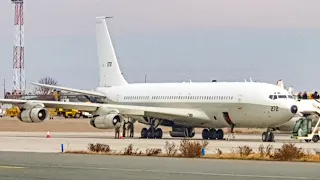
x: 169, y: 40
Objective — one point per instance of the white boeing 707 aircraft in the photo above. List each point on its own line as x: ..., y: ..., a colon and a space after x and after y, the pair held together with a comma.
x: 182, y: 106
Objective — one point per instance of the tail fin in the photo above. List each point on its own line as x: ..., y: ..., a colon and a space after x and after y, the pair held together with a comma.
x: 110, y: 74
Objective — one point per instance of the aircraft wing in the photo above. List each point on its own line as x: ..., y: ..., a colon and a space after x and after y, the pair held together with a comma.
x: 85, y: 92
x: 178, y: 114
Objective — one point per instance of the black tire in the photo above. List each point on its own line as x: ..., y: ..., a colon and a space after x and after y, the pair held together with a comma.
x: 158, y: 133
x: 213, y: 134
x: 220, y: 134
x: 271, y: 137
x: 315, y: 138
x: 307, y: 140
x: 144, y: 133
x: 264, y: 136
x: 205, y: 134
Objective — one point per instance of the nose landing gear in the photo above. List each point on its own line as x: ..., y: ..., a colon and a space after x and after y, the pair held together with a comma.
x: 268, y: 136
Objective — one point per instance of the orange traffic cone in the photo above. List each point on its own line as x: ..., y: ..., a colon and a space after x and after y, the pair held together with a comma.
x: 48, y: 135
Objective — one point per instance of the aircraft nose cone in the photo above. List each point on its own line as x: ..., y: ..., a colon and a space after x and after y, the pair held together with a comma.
x: 294, y: 109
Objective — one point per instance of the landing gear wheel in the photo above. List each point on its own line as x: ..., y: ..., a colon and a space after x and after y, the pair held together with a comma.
x: 220, y: 134
x: 158, y: 133
x: 213, y: 134
x: 315, y: 138
x: 264, y: 136
x: 205, y: 134
x: 267, y: 137
x: 144, y: 133
x: 271, y: 137
x: 150, y: 134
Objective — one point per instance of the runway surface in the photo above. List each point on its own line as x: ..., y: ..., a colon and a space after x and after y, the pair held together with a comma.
x: 37, y: 142
x: 38, y: 166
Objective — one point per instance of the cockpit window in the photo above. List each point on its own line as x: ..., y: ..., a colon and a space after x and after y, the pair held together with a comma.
x: 282, y: 96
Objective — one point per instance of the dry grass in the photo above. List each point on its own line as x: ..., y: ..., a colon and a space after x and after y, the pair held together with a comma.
x: 170, y: 148
x: 104, y: 148
x: 192, y: 149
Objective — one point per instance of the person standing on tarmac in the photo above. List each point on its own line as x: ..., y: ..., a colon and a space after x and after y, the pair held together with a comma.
x: 117, y: 133
x: 124, y: 129
x: 131, y: 128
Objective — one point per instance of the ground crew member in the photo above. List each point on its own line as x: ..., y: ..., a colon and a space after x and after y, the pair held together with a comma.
x: 131, y: 128
x: 117, y: 133
x: 124, y: 129
x: 305, y: 95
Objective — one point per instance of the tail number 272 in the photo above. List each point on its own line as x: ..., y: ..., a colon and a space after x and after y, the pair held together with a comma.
x: 274, y: 108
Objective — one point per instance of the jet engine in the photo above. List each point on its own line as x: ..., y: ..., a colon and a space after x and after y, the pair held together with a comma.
x: 110, y: 121
x: 34, y: 115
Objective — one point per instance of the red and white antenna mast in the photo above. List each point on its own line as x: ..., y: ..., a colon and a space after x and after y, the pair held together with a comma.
x: 18, y: 48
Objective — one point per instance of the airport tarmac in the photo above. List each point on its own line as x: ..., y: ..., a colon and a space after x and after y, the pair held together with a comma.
x: 38, y: 166
x: 37, y: 142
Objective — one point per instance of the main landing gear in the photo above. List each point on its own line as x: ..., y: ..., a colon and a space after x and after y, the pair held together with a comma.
x: 153, y: 131
x: 212, y: 134
x: 268, y: 136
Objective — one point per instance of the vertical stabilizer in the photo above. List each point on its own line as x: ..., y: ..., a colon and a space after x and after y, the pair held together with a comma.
x: 110, y: 74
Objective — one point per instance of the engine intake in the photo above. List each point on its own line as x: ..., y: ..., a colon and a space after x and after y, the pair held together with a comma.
x: 34, y: 115
x: 110, y: 121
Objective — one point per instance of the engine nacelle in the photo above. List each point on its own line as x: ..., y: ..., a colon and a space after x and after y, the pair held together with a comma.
x: 110, y: 121
x: 34, y: 115
x: 182, y: 132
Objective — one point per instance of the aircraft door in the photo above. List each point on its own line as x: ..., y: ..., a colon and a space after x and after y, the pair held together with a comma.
x: 240, y: 101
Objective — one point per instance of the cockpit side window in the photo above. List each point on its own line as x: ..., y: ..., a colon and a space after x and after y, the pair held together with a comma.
x: 273, y: 97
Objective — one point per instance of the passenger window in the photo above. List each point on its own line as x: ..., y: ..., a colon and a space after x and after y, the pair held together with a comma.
x: 290, y: 97
x: 282, y: 96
